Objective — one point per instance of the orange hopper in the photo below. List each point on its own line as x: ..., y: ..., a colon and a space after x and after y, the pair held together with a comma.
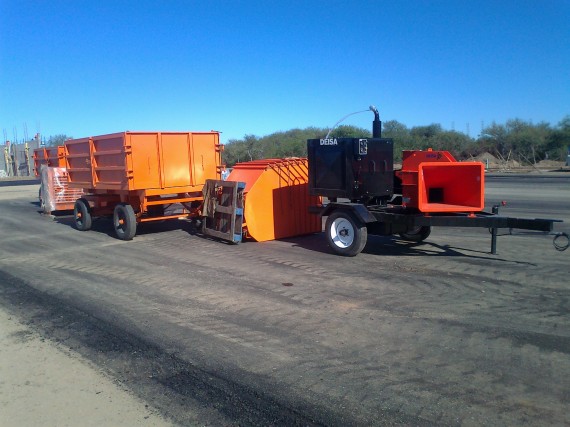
x: 433, y: 181
x: 277, y: 198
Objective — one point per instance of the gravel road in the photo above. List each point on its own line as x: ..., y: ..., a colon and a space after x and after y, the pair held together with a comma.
x: 286, y: 333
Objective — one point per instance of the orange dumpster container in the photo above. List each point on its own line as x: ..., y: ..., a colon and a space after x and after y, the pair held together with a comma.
x: 129, y: 161
x: 433, y: 181
x: 55, y: 194
x: 53, y: 156
x: 141, y: 176
x: 277, y: 198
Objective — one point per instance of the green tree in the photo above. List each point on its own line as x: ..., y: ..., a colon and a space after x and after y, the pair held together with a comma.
x: 558, y: 141
x: 400, y: 134
x: 516, y: 139
x: 347, y: 131
x: 57, y: 139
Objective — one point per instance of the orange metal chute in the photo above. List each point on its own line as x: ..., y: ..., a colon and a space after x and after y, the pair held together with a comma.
x: 277, y: 198
x: 433, y: 181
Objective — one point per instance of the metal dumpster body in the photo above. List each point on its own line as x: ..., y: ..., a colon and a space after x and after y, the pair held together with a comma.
x: 156, y: 162
x: 55, y: 193
x: 142, y: 176
x: 277, y: 198
x: 53, y: 156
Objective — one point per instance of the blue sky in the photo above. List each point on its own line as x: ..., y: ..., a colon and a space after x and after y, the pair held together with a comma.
x: 256, y: 67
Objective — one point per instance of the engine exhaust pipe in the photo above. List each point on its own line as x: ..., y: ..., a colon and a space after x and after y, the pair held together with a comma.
x: 376, y: 124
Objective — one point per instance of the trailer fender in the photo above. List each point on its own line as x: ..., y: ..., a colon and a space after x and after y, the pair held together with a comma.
x: 360, y: 211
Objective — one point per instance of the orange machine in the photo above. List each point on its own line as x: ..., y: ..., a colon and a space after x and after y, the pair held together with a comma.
x: 141, y: 176
x: 276, y: 198
x: 433, y: 181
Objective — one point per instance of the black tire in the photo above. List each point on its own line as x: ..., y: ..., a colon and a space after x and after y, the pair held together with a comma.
x: 124, y: 221
x: 82, y: 215
x: 346, y: 235
x: 419, y: 234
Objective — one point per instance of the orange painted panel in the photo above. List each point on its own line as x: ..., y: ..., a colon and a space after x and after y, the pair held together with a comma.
x: 39, y: 160
x: 205, y: 156
x: 55, y: 156
x: 164, y: 162
x: 143, y: 161
x: 433, y: 181
x: 78, y: 162
x: 176, y: 159
x: 108, y: 158
x: 277, y: 198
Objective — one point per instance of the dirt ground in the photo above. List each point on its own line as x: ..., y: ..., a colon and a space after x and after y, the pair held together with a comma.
x: 284, y: 332
x: 44, y: 384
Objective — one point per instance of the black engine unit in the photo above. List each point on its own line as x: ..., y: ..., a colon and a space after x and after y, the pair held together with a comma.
x: 351, y: 168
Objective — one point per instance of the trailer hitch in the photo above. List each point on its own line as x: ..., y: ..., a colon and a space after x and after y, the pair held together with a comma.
x: 561, y: 240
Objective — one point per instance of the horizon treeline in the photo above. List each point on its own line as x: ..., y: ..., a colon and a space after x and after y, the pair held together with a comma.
x: 517, y: 139
x: 520, y: 140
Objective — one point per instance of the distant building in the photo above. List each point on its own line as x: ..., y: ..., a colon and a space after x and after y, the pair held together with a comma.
x: 14, y: 161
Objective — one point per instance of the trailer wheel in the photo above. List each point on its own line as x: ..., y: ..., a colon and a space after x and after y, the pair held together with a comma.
x: 418, y: 234
x: 82, y: 215
x: 41, y: 199
x: 346, y: 235
x: 124, y: 221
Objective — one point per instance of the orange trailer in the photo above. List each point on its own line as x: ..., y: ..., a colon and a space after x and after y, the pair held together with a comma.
x: 55, y: 193
x: 137, y: 177
x: 50, y: 156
